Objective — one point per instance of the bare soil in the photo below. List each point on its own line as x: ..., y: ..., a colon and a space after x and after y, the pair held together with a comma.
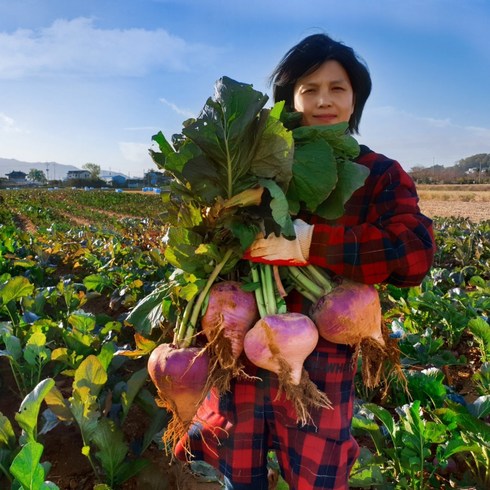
x: 475, y: 211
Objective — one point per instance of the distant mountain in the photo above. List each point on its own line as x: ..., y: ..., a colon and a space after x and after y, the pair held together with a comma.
x: 52, y: 170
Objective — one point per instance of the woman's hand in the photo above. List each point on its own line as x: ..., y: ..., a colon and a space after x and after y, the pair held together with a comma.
x: 277, y: 250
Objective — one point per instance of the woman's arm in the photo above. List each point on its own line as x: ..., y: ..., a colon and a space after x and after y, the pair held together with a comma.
x: 395, y: 244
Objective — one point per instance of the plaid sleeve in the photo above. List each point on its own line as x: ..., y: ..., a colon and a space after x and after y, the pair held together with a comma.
x: 383, y: 237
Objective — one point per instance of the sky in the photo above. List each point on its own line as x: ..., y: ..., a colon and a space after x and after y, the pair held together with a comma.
x: 91, y: 81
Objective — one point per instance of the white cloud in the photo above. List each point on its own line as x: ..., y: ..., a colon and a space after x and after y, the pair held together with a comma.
x: 78, y: 47
x: 134, y: 152
x: 178, y: 110
x: 415, y: 140
x: 7, y: 124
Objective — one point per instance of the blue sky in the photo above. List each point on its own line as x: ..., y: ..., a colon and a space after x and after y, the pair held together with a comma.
x: 92, y: 80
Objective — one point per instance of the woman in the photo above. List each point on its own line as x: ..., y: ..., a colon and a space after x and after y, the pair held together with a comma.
x: 382, y: 237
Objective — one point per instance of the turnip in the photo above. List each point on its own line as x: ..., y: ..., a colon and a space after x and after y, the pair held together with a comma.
x: 181, y: 372
x: 348, y: 312
x: 229, y: 314
x: 180, y: 376
x: 280, y: 342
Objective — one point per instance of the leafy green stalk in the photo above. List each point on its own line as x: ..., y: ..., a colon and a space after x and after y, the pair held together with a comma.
x: 259, y: 294
x: 268, y: 300
x: 187, y: 328
x: 310, y: 281
x: 183, y: 324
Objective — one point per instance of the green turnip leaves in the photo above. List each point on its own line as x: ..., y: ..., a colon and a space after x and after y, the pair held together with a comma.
x: 235, y: 147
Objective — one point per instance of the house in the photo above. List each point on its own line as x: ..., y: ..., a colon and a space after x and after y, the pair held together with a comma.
x: 17, y: 177
x: 135, y: 183
x: 78, y: 174
x: 118, y: 180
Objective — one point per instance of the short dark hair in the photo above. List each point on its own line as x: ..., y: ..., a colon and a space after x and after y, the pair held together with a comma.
x: 307, y: 56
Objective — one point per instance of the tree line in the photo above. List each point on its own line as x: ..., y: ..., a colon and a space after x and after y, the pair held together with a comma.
x: 471, y: 170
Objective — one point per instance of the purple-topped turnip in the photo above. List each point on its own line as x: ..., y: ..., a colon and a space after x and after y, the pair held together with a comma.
x: 280, y: 342
x: 229, y: 314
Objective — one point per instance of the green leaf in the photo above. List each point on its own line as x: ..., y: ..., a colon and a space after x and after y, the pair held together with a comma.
x: 16, y: 288
x: 481, y: 330
x: 83, y: 322
x: 111, y: 448
x: 480, y: 408
x: 244, y: 232
x: 163, y: 144
x: 90, y: 377
x: 181, y: 252
x: 96, y: 282
x: 35, y: 352
x: 314, y: 175
x: 7, y: 435
x: 274, y: 153
x: 385, y: 417
x: 427, y: 385
x: 351, y: 176
x: 225, y: 118
x: 58, y: 405
x: 29, y: 409
x: 366, y: 425
x: 26, y: 468
x: 13, y: 347
x: 106, y: 354
x: 225, y: 132
x: 148, y: 313
x: 336, y: 135
x: 134, y: 385
x: 87, y: 415
x: 280, y: 207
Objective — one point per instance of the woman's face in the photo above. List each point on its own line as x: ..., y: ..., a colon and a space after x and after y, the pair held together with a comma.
x: 324, y: 96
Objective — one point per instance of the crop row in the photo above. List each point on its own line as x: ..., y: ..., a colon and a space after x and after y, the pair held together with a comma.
x: 65, y: 296
x: 64, y: 210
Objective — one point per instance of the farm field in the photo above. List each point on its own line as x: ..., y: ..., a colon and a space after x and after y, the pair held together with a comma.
x: 77, y: 408
x: 464, y: 201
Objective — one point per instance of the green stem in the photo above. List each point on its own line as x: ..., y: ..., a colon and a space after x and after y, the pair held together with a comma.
x: 191, y: 313
x: 265, y: 294
x: 304, y: 283
x: 268, y: 288
x: 180, y: 333
x: 17, y: 374
x: 320, y: 277
x: 259, y: 294
x: 229, y: 165
x: 307, y: 294
x: 89, y: 457
x: 5, y: 472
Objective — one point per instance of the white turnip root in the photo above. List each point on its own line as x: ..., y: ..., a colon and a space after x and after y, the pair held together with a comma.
x: 230, y: 312
x: 180, y: 376
x: 280, y: 343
